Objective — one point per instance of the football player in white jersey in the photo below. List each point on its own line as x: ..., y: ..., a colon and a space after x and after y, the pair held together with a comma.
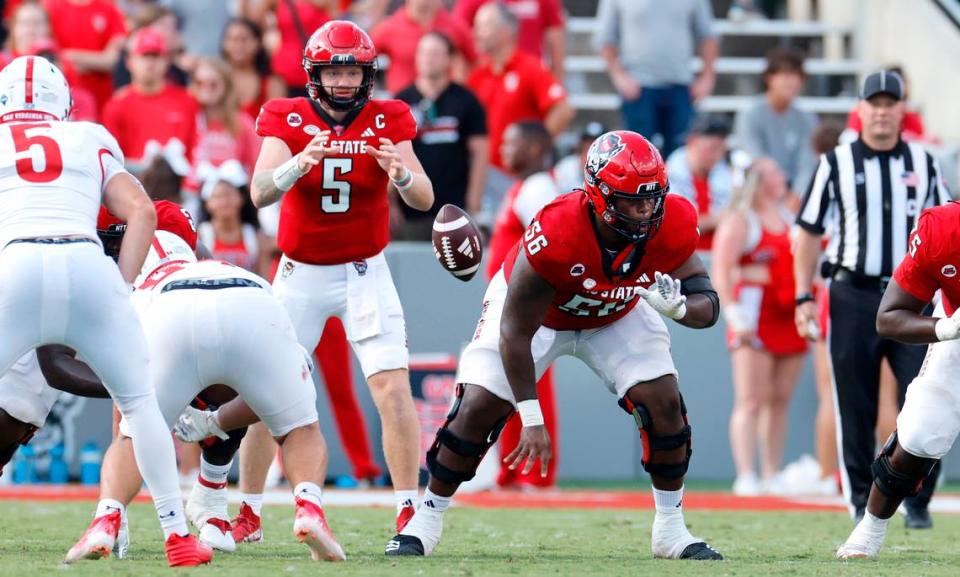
x: 57, y: 285
x: 211, y: 323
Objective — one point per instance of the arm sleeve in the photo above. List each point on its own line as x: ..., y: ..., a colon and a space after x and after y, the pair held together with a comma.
x: 404, y: 125
x: 937, y: 192
x: 813, y: 209
x: 270, y: 121
x: 116, y: 25
x: 475, y: 120
x: 547, y: 91
x: 607, y: 32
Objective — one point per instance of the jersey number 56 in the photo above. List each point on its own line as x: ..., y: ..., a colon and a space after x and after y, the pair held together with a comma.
x: 534, y: 239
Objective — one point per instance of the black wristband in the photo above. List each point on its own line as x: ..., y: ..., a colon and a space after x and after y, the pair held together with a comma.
x: 804, y: 298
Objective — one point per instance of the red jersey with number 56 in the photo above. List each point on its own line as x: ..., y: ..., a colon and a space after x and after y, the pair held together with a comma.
x: 595, y: 288
x: 338, y: 212
x: 933, y: 260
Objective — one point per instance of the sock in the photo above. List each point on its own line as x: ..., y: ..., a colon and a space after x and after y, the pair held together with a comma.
x: 170, y: 511
x: 668, y: 501
x: 309, y: 492
x: 434, y: 502
x: 875, y: 524
x: 405, y: 498
x: 255, y: 500
x: 213, y: 476
x: 106, y: 506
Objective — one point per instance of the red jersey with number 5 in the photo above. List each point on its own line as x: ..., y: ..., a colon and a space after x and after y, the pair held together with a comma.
x: 934, y: 257
x: 593, y: 287
x: 338, y: 212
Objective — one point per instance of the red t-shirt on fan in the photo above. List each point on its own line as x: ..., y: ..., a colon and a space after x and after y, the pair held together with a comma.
x: 561, y: 245
x: 90, y: 25
x: 135, y: 118
x: 534, y: 17
x: 287, y: 62
x: 338, y: 212
x: 933, y: 258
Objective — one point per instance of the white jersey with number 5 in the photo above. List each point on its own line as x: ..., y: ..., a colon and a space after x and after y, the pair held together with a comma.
x: 52, y: 176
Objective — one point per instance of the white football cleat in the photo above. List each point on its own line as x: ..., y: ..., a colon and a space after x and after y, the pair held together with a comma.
x: 419, y: 537
x: 97, y: 541
x: 122, y: 545
x: 866, y: 540
x: 207, y: 510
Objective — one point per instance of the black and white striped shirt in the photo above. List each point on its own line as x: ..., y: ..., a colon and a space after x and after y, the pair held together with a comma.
x: 870, y: 200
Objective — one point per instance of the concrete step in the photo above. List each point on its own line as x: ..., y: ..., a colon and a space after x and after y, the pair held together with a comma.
x: 762, y: 28
x: 834, y: 105
x: 733, y: 65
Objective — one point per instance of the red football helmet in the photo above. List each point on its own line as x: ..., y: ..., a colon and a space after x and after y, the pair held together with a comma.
x: 624, y: 165
x: 170, y: 218
x: 340, y: 43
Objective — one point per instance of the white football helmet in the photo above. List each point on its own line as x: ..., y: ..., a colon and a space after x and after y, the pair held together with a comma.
x: 166, y: 247
x: 32, y: 88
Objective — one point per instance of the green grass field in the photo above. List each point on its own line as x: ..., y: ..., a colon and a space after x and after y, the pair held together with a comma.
x: 36, y: 535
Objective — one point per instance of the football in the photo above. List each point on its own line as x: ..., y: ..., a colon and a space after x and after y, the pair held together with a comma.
x: 456, y: 242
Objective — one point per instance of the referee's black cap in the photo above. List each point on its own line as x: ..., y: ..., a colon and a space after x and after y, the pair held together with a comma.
x: 883, y: 82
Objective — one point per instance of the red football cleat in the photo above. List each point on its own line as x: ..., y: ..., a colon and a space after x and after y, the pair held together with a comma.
x: 98, y: 540
x: 310, y: 527
x: 186, y: 551
x: 404, y: 516
x: 246, y: 526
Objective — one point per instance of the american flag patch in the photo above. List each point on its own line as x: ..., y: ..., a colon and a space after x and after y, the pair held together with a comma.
x: 910, y: 179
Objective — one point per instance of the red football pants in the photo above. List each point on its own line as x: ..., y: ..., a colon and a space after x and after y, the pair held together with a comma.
x: 333, y: 355
x: 510, y: 437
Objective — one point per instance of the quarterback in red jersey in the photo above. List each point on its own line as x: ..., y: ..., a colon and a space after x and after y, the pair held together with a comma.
x: 332, y: 157
x: 929, y: 421
x: 588, y: 279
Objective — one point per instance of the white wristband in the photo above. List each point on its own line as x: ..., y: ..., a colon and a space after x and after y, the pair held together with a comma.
x: 947, y: 329
x: 287, y: 174
x: 405, y: 182
x: 530, y: 413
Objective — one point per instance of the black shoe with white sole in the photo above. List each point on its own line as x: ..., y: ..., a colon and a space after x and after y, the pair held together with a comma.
x: 701, y: 552
x: 404, y: 546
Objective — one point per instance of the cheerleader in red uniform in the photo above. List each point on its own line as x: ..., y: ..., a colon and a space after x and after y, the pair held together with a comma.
x: 753, y: 274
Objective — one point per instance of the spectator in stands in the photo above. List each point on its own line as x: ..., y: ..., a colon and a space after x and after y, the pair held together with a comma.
x: 163, y: 174
x: 527, y: 151
x: 199, y: 22
x: 150, y: 108
x: 512, y: 86
x: 295, y: 21
x: 164, y: 21
x: 253, y: 81
x: 912, y: 128
x: 228, y: 226
x: 753, y: 274
x: 398, y: 36
x: 699, y: 171
x: 90, y: 34
x: 648, y: 47
x: 569, y: 171
x: 774, y: 126
x: 540, y: 27
x: 30, y: 34
x: 451, y: 137
x: 224, y: 132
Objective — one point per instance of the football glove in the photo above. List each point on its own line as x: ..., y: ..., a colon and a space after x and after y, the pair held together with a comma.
x: 196, y: 425
x: 664, y: 296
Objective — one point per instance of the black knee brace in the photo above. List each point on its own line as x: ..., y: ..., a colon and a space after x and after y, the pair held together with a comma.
x: 459, y: 446
x: 7, y: 453
x: 652, y: 442
x: 893, y: 483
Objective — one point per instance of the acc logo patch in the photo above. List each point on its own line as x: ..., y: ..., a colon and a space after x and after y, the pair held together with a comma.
x: 577, y: 269
x: 589, y: 284
x: 294, y: 119
x: 948, y: 271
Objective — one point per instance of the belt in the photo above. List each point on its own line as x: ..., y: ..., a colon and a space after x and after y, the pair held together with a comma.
x: 210, y: 284
x: 53, y: 240
x: 877, y: 283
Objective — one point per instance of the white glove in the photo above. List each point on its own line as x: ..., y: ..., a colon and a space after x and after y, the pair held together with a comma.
x: 196, y: 425
x: 948, y: 329
x: 664, y: 296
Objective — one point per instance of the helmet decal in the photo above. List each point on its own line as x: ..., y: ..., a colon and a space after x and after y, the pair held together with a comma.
x: 601, y: 151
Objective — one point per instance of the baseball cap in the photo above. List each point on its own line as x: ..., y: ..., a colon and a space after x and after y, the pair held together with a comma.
x: 148, y: 41
x: 883, y: 82
x: 592, y: 131
x: 710, y: 125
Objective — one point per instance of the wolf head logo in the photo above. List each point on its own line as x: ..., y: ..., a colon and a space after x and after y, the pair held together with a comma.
x: 601, y: 151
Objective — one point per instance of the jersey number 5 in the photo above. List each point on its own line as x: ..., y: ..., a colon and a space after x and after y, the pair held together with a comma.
x: 36, y: 149
x: 339, y: 200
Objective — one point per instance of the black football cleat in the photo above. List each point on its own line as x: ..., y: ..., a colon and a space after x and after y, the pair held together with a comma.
x: 701, y: 552
x: 918, y: 518
x: 404, y: 546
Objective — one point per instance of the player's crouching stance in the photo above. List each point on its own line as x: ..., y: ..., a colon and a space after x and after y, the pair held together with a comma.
x: 58, y: 287
x: 571, y: 287
x: 929, y: 421
x: 210, y: 323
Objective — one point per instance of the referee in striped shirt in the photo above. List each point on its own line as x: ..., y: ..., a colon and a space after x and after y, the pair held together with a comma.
x: 870, y: 192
